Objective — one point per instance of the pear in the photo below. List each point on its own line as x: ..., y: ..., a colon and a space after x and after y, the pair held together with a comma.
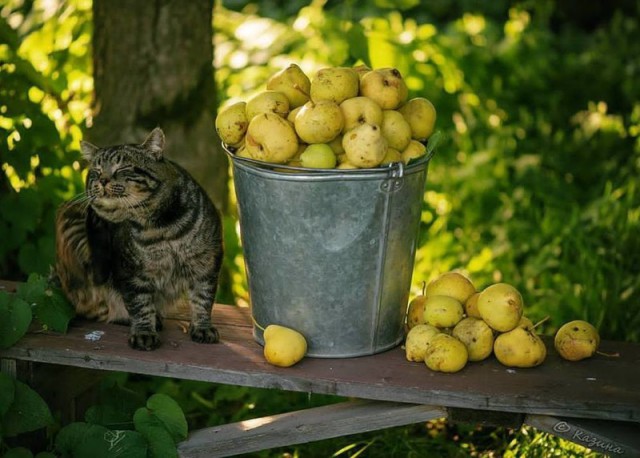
x: 361, y: 70
x: 418, y: 339
x: 364, y: 145
x: 500, y: 305
x: 231, y: 123
x: 291, y: 117
x: 395, y: 129
x: 520, y: 347
x: 385, y: 86
x: 268, y: 102
x: 471, y: 306
x: 346, y: 165
x: 413, y: 150
x: 319, y: 122
x: 283, y: 346
x: 442, y: 311
x: 525, y: 323
x: 318, y: 156
x: 360, y: 110
x: 393, y: 155
x: 336, y: 84
x: 420, y: 114
x: 271, y: 138
x: 415, y: 311
x: 452, y: 284
x: 476, y: 335
x: 445, y: 353
x: 336, y: 146
x: 577, y: 340
x: 293, y: 83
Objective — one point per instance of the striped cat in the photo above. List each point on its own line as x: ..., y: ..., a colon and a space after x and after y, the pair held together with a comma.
x: 144, y: 236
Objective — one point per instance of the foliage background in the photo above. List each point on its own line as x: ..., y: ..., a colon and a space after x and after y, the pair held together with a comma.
x: 536, y: 185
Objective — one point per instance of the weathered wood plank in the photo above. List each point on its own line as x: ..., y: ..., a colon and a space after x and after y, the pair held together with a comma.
x: 600, y: 387
x: 613, y: 438
x: 304, y: 426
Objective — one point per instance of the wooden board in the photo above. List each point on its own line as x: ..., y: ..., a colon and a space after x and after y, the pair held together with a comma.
x: 600, y: 387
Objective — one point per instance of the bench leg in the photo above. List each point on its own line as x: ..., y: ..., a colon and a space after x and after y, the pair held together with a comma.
x: 304, y: 426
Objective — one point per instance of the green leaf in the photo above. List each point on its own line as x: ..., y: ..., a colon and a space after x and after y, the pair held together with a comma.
x: 54, y: 311
x: 27, y: 412
x: 15, y: 318
x: 161, y: 443
x: 18, y: 452
x: 170, y: 415
x: 83, y: 439
x: 33, y: 289
x: 45, y: 455
x: 7, y: 392
x: 115, y: 408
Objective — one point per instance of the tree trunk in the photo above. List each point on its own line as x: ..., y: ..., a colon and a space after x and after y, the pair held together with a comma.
x: 153, y: 67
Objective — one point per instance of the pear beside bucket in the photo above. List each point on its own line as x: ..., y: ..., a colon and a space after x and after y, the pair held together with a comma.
x: 330, y: 253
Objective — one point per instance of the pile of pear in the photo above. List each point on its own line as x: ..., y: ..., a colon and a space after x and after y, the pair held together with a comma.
x: 451, y: 324
x: 342, y: 117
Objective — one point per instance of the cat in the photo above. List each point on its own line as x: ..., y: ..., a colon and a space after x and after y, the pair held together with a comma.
x: 143, y: 236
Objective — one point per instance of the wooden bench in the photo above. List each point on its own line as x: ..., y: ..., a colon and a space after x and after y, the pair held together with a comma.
x: 595, y: 402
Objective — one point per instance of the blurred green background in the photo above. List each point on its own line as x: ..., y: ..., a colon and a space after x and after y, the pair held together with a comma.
x: 536, y: 183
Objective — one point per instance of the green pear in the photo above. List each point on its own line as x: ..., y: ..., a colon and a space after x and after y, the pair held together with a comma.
x: 476, y: 335
x: 364, y: 145
x: 395, y: 129
x: 271, y: 138
x: 360, y: 110
x: 318, y: 156
x: 413, y: 150
x: 336, y: 84
x: 442, y: 311
x: 520, y: 347
x: 283, y: 346
x: 445, y: 353
x: 385, y: 86
x: 268, y: 102
x: 319, y: 122
x: 500, y: 305
x: 231, y: 124
x: 417, y: 341
x: 452, y: 284
x: 577, y: 340
x: 420, y: 114
x: 293, y: 83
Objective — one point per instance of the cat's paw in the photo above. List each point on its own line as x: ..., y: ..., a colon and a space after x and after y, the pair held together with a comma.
x: 144, y: 340
x: 204, y: 335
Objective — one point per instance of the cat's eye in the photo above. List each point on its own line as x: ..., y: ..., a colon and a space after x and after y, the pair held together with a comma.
x: 93, y: 175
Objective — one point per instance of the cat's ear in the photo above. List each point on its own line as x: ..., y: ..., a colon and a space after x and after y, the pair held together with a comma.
x: 155, y: 143
x: 88, y: 150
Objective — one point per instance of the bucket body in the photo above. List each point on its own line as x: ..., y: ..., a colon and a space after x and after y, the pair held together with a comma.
x: 330, y: 253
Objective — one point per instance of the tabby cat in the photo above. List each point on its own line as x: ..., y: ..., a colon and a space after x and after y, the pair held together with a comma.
x: 143, y: 236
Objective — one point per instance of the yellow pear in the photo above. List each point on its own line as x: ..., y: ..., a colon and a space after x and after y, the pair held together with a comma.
x: 442, y: 311
x: 471, y: 306
x: 395, y: 129
x: 525, y: 323
x: 293, y: 83
x: 500, y: 305
x: 413, y: 150
x: 360, y: 110
x: 346, y: 165
x: 361, y: 70
x: 364, y: 145
x: 476, y: 335
x: 231, y: 123
x: 271, y: 138
x: 385, y: 86
x: 268, y: 102
x: 336, y: 84
x: 283, y: 346
x: 319, y: 122
x: 452, y: 284
x: 520, y: 347
x: 417, y: 341
x: 415, y: 311
x: 393, y: 155
x: 291, y: 117
x: 577, y: 340
x: 420, y: 114
x: 445, y: 353
x: 336, y: 146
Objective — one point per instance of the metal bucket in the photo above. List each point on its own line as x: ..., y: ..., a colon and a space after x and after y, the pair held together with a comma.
x: 330, y: 253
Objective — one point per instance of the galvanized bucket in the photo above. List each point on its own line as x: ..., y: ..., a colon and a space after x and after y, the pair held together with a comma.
x: 330, y: 252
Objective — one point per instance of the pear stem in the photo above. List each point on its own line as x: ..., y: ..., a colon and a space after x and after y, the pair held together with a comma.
x: 256, y: 323
x: 609, y: 355
x: 424, y: 287
x: 541, y: 321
